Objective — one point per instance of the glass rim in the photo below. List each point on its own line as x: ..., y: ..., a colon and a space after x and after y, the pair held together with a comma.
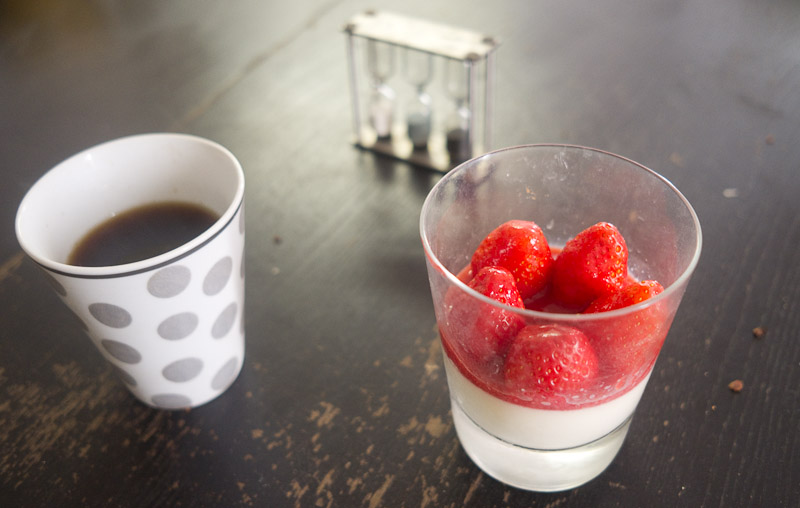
x: 679, y: 281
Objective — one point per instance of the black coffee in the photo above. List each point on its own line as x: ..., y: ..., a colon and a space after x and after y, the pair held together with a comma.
x: 141, y: 233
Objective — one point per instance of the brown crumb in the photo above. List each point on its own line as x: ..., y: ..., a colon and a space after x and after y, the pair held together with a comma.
x: 277, y: 239
x: 736, y: 385
x: 770, y: 140
x: 758, y: 332
x: 676, y: 159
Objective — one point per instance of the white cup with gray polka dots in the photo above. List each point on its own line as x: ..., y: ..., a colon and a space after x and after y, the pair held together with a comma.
x: 172, y: 325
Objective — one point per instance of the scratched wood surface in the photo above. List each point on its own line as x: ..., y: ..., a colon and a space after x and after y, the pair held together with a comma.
x: 342, y: 400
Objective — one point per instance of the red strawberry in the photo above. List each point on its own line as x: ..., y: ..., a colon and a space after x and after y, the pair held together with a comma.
x: 483, y: 331
x: 498, y: 284
x: 521, y: 248
x: 628, y: 345
x: 549, y: 363
x: 629, y: 295
x: 592, y: 264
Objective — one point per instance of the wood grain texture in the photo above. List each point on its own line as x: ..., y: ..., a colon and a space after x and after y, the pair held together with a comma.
x: 342, y: 400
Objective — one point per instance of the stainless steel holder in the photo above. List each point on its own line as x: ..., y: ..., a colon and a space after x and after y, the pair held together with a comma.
x: 421, y: 91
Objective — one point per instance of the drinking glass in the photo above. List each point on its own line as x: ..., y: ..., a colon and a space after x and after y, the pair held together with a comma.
x: 526, y: 442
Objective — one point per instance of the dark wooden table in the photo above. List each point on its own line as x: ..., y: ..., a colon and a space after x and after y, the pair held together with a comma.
x: 342, y: 400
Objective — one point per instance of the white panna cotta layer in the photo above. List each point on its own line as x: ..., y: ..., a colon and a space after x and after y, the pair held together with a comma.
x: 541, y: 429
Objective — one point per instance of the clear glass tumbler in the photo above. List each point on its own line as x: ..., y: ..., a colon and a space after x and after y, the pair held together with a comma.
x: 531, y: 443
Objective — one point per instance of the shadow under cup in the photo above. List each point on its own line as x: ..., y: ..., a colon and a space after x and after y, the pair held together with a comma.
x: 525, y: 441
x: 172, y: 326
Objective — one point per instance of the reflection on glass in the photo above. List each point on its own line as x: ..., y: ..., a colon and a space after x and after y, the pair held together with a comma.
x: 419, y: 71
x: 458, y: 120
x: 380, y: 66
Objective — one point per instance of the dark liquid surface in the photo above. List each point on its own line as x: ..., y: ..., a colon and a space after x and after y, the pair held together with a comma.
x: 141, y: 233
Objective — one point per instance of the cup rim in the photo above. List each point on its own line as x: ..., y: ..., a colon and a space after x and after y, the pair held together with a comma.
x: 144, y: 265
x: 676, y: 285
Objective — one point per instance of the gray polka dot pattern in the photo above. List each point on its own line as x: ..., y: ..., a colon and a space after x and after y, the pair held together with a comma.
x: 179, y: 326
x: 183, y: 370
x: 173, y: 334
x: 125, y: 376
x: 225, y: 375
x: 218, y: 276
x: 122, y: 352
x: 110, y: 315
x: 224, y: 322
x: 169, y: 281
x: 171, y: 401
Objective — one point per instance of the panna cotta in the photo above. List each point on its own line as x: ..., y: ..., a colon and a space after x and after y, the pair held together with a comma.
x: 541, y: 429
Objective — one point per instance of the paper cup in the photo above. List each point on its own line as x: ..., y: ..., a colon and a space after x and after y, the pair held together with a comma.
x: 172, y: 326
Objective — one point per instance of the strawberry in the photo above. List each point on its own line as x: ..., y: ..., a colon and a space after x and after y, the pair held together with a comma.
x: 592, y: 264
x: 628, y: 345
x: 498, y: 284
x: 483, y: 331
x: 521, y: 248
x: 631, y: 294
x: 549, y: 364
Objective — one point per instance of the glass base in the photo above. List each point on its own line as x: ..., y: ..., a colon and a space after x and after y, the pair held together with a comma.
x: 537, y: 470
